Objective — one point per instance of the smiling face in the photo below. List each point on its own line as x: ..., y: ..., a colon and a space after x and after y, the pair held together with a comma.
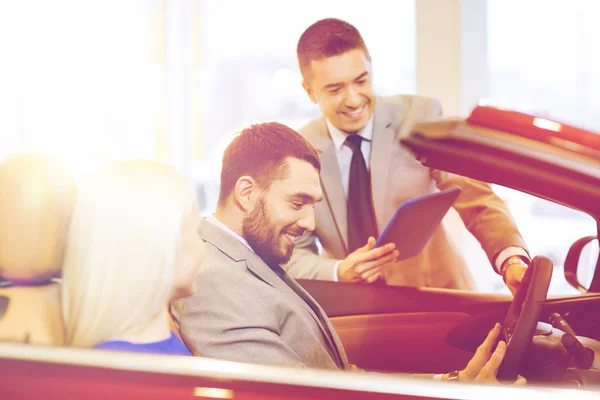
x: 284, y: 211
x: 342, y: 87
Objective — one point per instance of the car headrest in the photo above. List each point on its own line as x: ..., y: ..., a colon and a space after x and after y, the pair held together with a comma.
x: 36, y: 199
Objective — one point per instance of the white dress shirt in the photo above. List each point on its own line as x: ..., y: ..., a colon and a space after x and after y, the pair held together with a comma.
x: 213, y: 220
x: 344, y: 153
x: 344, y: 158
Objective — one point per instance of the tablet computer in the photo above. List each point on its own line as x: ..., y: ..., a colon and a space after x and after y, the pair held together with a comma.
x: 415, y: 220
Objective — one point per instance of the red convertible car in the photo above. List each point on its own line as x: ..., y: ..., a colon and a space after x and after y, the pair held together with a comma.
x: 553, y: 341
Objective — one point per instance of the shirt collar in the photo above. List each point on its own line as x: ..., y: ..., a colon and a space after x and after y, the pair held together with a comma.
x: 339, y: 137
x: 212, y: 219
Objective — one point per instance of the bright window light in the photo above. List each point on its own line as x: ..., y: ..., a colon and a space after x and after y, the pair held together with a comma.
x: 83, y: 81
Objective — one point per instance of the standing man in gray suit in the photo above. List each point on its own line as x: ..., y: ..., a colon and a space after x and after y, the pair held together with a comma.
x: 247, y: 308
x: 366, y: 173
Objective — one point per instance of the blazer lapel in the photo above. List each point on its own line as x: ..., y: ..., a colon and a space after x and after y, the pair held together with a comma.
x: 381, y: 152
x: 238, y: 251
x: 332, y: 180
x: 326, y: 326
x: 287, y: 285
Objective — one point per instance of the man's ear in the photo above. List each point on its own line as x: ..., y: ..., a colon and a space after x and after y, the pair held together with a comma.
x: 246, y: 192
x: 309, y: 92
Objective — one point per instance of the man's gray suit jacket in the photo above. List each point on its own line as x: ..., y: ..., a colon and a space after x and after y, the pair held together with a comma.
x: 244, y: 311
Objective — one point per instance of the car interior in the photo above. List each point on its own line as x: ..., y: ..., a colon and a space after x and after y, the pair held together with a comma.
x: 551, y: 341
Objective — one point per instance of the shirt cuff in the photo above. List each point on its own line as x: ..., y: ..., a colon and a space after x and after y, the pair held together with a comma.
x: 506, y: 253
x: 335, y: 271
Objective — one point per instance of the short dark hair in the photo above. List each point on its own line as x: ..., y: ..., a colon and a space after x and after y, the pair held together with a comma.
x: 261, y: 151
x: 327, y: 38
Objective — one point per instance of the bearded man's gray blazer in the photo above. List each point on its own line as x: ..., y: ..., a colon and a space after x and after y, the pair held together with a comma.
x: 244, y: 311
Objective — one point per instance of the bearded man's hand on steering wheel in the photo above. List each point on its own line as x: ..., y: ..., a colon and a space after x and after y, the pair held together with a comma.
x: 484, y: 365
x: 499, y: 357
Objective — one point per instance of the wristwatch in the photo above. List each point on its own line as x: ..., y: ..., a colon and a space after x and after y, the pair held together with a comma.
x: 453, y: 376
x: 513, y: 260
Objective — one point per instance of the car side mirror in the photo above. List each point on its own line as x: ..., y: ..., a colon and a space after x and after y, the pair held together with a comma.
x: 581, y: 264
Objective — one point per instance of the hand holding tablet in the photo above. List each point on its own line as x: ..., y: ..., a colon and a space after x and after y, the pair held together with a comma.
x: 415, y: 220
x: 410, y: 228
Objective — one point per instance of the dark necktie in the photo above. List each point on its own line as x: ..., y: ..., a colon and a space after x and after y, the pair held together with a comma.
x: 361, y: 220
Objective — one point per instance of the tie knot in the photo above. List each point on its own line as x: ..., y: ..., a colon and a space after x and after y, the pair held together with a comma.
x: 354, y: 141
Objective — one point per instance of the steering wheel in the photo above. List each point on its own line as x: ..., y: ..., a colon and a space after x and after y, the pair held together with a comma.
x: 523, y: 315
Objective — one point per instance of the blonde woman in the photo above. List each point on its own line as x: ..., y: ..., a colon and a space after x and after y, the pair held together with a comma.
x: 132, y: 248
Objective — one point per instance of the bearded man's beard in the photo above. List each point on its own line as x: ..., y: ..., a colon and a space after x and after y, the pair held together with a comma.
x: 263, y: 238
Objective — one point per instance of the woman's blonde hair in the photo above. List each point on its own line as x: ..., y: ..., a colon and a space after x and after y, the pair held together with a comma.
x: 119, y: 264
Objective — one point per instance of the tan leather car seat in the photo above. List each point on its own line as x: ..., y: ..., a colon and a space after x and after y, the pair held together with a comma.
x: 36, y: 200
